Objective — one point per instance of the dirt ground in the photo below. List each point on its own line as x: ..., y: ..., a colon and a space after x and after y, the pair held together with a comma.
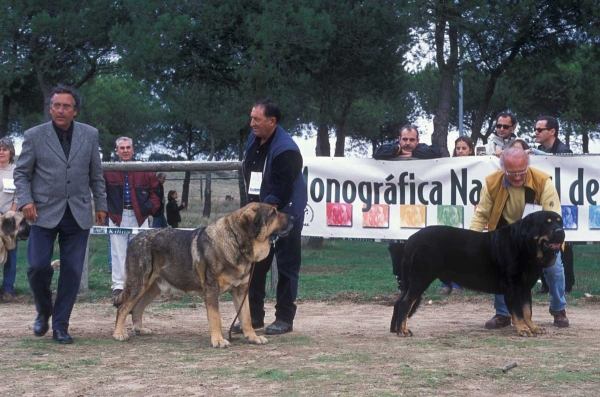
x: 336, y: 348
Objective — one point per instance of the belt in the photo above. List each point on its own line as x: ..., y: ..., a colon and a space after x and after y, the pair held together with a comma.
x: 128, y: 207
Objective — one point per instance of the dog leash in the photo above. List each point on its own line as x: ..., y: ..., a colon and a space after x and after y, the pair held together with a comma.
x: 243, y: 301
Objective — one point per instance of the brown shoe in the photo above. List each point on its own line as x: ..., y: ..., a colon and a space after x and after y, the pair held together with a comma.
x: 456, y: 291
x: 445, y: 290
x: 498, y: 321
x: 560, y: 318
x: 7, y: 297
x: 117, y: 292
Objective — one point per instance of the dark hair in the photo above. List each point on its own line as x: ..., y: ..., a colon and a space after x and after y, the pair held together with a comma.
x: 270, y: 108
x: 409, y: 127
x: 466, y: 140
x: 7, y: 144
x: 513, y: 119
x: 65, y: 89
x: 160, y: 174
x: 170, y: 194
x: 523, y: 143
x: 551, y: 122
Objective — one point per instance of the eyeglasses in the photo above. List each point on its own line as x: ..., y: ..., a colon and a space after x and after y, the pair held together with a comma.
x: 66, y: 107
x: 516, y: 173
x: 503, y: 126
x: 540, y: 130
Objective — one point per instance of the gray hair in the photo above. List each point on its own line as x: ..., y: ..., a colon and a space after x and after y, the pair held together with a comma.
x: 7, y: 144
x: 514, y: 152
x: 123, y: 138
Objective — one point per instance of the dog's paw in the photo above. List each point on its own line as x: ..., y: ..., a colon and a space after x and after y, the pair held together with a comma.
x: 525, y: 332
x: 142, y: 331
x: 120, y: 336
x: 257, y: 340
x: 538, y: 330
x: 220, y: 343
x: 405, y: 332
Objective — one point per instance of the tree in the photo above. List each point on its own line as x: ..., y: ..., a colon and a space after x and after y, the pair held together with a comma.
x: 53, y: 42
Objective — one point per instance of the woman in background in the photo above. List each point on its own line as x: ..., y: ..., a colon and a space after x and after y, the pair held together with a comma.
x: 173, y: 217
x: 8, y: 202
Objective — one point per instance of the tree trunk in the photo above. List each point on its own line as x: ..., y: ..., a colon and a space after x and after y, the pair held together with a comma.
x: 243, y: 135
x: 323, y: 148
x: 340, y: 129
x: 483, y: 108
x: 207, y: 196
x: 185, y: 190
x: 5, y: 115
x: 446, y: 15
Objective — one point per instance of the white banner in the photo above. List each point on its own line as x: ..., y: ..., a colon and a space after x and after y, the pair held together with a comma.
x: 374, y: 199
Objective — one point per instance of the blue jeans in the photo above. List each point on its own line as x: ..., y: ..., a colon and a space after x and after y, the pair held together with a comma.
x: 452, y: 285
x: 10, y: 271
x: 159, y: 221
x: 555, y: 276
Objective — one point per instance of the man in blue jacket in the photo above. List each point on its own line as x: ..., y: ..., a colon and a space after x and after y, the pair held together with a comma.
x: 272, y: 169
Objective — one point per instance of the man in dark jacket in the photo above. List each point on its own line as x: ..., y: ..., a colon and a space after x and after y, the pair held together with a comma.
x: 272, y: 169
x: 407, y: 146
x: 546, y: 134
x: 131, y: 198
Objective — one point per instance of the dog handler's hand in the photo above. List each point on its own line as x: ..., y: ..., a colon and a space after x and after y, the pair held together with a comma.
x: 101, y: 218
x: 29, y: 212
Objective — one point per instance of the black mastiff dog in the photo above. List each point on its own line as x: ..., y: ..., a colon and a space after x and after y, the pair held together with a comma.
x: 506, y: 261
x: 207, y: 261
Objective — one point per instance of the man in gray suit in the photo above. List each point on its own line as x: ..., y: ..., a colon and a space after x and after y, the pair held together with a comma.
x: 57, y: 174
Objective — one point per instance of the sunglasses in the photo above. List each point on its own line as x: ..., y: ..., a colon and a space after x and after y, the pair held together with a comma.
x: 503, y: 126
x: 540, y: 130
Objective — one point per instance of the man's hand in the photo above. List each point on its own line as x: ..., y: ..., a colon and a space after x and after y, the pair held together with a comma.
x: 29, y: 212
x: 183, y: 204
x: 101, y: 218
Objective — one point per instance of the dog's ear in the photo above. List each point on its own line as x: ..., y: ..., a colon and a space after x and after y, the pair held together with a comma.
x: 9, y: 225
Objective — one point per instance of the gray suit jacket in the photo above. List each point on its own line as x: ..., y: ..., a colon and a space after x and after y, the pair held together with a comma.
x: 45, y: 178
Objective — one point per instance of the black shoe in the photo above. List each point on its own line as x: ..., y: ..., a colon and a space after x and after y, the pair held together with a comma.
x: 237, y: 328
x: 40, y: 325
x: 279, y: 327
x: 62, y: 336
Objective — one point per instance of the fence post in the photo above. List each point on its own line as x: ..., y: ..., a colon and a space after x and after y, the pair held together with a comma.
x: 84, y: 286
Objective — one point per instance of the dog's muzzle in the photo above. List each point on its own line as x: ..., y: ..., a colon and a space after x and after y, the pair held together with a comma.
x: 24, y: 229
x: 556, y: 240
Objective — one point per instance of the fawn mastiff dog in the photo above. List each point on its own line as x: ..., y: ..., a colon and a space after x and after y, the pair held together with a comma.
x: 206, y: 261
x: 13, y: 227
x: 506, y: 261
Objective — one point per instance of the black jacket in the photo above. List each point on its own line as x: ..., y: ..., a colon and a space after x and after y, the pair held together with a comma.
x: 422, y: 151
x: 173, y: 212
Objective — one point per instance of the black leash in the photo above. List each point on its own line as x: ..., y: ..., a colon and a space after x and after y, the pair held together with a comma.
x: 243, y: 301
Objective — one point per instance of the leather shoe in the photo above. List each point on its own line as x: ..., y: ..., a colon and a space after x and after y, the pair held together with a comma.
x: 117, y: 292
x: 62, y: 336
x: 40, y: 325
x: 279, y: 327
x: 560, y: 318
x: 237, y: 328
x: 498, y: 321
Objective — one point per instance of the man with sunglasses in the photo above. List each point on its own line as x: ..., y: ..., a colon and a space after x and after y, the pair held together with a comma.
x: 503, y: 200
x: 503, y: 134
x: 546, y: 134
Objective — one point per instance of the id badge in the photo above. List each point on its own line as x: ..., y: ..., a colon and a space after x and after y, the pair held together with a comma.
x: 255, y: 183
x: 8, y: 185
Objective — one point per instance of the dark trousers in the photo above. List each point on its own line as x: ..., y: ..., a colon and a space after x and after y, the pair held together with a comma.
x: 72, y: 241
x: 288, y: 251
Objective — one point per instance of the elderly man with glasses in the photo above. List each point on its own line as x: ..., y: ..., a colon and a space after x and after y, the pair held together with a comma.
x: 506, y: 195
x: 503, y: 134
